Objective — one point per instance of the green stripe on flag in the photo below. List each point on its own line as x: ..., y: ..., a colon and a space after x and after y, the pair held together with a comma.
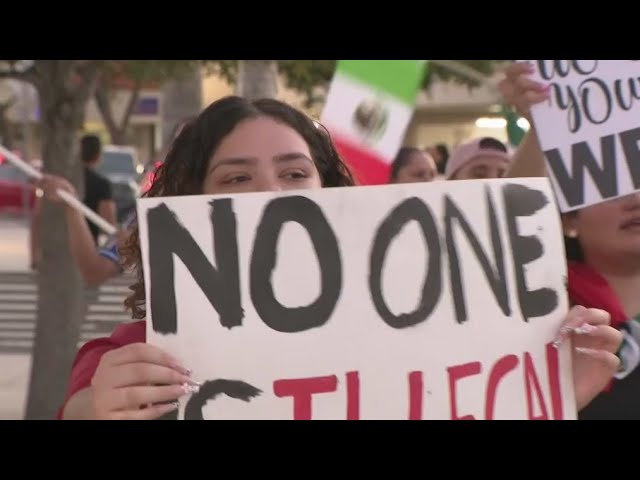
x: 399, y: 78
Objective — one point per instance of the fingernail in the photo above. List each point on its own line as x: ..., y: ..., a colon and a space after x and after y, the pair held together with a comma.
x: 565, y: 330
x: 585, y: 329
x: 194, y: 383
x: 181, y: 369
x: 175, y: 405
x: 186, y: 388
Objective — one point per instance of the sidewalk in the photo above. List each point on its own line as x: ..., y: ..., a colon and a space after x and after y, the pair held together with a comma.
x: 14, y: 369
x: 14, y: 379
x: 14, y: 243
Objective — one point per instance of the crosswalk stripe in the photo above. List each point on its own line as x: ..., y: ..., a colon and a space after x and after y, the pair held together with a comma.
x: 29, y: 326
x: 19, y: 304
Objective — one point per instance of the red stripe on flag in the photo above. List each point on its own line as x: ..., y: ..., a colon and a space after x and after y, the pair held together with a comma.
x: 367, y: 167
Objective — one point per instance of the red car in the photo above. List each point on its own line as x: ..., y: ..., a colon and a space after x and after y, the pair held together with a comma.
x: 17, y: 193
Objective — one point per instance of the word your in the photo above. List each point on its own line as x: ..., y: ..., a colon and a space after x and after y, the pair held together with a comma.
x: 302, y: 390
x: 221, y: 284
x: 593, y: 99
x: 601, y: 164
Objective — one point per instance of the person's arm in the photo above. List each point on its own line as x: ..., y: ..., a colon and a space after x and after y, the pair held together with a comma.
x: 107, y: 210
x: 529, y: 159
x: 520, y: 92
x: 95, y: 268
x: 79, y: 406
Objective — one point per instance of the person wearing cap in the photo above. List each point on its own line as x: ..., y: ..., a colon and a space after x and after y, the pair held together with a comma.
x: 484, y: 157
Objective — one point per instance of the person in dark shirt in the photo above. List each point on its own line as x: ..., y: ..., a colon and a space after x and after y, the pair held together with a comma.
x: 96, y: 265
x: 98, y: 196
x: 97, y: 189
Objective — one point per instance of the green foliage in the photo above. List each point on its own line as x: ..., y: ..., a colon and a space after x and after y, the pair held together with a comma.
x: 308, y: 76
x: 438, y: 72
x: 305, y: 76
x: 141, y: 71
x: 226, y: 69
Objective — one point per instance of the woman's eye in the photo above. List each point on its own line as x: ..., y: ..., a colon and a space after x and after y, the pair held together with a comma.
x: 296, y: 175
x: 238, y: 179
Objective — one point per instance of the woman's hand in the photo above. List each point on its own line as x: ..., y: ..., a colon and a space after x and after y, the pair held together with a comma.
x: 135, y: 382
x: 595, y: 344
x: 50, y: 184
x: 520, y: 91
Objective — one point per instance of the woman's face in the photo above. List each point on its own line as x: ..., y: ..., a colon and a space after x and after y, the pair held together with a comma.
x: 609, y: 231
x: 420, y: 167
x: 261, y: 155
x: 485, y: 166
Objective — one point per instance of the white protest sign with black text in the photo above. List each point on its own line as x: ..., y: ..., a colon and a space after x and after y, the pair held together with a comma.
x: 590, y: 128
x: 420, y: 301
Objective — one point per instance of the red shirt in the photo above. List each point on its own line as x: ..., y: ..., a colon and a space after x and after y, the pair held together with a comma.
x: 88, y: 357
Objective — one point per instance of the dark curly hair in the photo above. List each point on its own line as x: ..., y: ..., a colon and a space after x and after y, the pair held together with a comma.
x: 400, y: 161
x: 185, y: 166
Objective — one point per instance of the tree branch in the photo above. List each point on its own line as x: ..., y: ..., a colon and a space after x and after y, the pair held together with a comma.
x: 89, y: 72
x: 133, y: 101
x: 103, y: 102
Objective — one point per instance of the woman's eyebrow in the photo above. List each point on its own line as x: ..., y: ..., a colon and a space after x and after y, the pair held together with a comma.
x: 234, y: 161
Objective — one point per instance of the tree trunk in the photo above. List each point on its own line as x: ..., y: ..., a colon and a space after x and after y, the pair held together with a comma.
x: 257, y: 79
x: 117, y: 131
x: 181, y: 99
x: 60, y: 286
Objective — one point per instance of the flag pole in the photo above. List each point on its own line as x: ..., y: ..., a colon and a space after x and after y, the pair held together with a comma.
x: 66, y: 196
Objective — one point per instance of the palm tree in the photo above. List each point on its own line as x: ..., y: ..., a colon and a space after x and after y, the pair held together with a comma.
x: 257, y: 79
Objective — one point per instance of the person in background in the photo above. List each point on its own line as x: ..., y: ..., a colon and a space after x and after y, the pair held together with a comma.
x: 480, y: 158
x: 96, y: 265
x: 97, y: 189
x: 240, y: 146
x: 412, y: 165
x: 602, y: 244
x: 97, y: 196
x: 440, y: 154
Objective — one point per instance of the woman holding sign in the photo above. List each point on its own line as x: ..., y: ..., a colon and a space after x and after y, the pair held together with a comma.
x: 602, y: 244
x: 238, y: 146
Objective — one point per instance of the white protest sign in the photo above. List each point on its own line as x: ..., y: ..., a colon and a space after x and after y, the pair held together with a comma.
x: 418, y: 301
x: 590, y: 129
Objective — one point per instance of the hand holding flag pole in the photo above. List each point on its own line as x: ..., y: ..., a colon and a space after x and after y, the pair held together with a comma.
x: 66, y: 196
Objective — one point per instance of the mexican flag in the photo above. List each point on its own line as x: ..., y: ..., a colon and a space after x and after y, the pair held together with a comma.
x: 514, y: 132
x: 367, y: 111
